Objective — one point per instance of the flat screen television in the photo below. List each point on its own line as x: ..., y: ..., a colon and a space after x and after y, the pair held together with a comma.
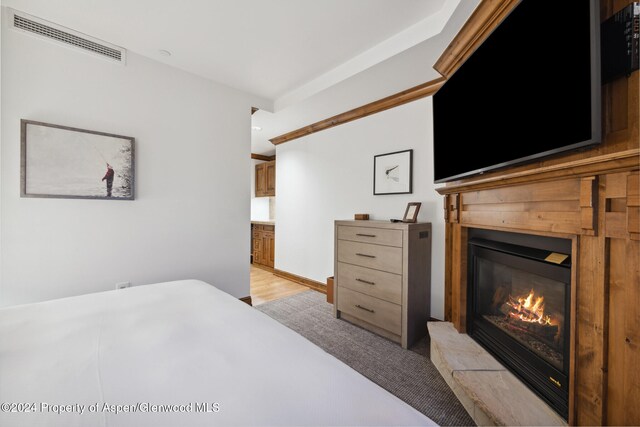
x: 532, y: 89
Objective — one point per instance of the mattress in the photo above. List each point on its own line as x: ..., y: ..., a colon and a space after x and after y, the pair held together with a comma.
x: 178, y: 353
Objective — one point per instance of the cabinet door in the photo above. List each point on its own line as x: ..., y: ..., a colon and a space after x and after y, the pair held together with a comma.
x: 261, y: 180
x: 269, y: 247
x: 258, y: 250
x: 270, y: 173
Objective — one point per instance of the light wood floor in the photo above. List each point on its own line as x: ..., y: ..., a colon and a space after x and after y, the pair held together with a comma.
x: 265, y: 286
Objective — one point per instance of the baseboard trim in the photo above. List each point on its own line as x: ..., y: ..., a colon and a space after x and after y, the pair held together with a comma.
x: 263, y: 267
x: 316, y: 286
x: 246, y: 300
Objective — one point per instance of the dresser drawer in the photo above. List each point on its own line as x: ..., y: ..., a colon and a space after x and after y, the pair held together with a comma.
x: 379, y: 284
x: 379, y: 236
x: 385, y: 258
x: 382, y: 314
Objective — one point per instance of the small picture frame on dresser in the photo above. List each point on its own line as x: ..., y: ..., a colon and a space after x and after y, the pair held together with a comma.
x: 411, y: 214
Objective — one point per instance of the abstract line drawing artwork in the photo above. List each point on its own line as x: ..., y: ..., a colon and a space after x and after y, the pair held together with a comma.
x: 393, y: 173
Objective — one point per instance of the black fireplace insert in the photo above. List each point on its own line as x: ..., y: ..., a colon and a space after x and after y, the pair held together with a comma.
x: 519, y: 307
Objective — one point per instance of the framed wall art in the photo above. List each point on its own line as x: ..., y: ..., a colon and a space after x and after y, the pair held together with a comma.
x: 65, y: 162
x: 393, y: 173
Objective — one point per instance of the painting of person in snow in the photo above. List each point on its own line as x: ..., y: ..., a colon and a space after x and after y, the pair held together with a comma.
x: 109, y: 178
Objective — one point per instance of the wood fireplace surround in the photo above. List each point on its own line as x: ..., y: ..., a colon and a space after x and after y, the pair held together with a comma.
x: 590, y: 197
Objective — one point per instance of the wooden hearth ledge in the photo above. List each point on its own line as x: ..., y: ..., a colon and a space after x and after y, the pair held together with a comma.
x: 490, y: 393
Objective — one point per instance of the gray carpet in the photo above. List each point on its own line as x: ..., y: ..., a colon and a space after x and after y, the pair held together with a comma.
x: 408, y: 374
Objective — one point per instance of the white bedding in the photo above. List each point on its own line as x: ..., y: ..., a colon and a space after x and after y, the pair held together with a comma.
x: 178, y: 343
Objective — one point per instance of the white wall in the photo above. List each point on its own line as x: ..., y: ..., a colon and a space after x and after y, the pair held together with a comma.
x: 329, y: 175
x: 190, y: 217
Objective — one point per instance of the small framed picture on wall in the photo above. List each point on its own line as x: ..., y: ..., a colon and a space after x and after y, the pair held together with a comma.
x: 393, y: 173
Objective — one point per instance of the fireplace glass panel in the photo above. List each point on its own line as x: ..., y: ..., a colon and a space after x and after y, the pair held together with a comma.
x: 526, y: 306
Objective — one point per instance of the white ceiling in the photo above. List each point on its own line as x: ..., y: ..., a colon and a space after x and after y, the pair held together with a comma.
x: 281, y: 50
x: 406, y: 69
x: 303, y: 60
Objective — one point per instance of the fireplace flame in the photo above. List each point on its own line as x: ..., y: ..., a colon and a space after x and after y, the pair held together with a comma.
x: 529, y: 308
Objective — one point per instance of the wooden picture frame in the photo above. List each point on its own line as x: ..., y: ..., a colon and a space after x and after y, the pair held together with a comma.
x: 393, y: 173
x: 411, y: 213
x: 71, y: 163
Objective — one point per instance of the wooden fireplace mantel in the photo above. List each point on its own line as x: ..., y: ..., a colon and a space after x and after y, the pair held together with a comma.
x: 592, y: 198
x: 621, y: 161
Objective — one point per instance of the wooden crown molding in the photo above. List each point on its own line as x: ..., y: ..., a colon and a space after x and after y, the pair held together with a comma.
x: 409, y: 95
x: 262, y: 157
x: 484, y: 19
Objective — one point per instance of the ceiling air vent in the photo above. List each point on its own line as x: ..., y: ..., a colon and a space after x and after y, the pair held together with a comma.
x: 66, y: 37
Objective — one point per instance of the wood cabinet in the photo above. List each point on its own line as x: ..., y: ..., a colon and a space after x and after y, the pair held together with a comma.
x: 263, y: 244
x: 270, y: 173
x: 261, y: 180
x: 383, y: 277
x: 266, y: 179
x: 268, y: 248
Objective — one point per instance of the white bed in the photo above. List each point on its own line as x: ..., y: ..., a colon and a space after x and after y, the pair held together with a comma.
x: 176, y: 343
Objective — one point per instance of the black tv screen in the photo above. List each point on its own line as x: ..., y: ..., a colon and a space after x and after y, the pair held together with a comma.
x: 532, y: 89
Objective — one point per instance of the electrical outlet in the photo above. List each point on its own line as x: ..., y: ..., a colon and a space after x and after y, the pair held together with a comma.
x: 122, y: 285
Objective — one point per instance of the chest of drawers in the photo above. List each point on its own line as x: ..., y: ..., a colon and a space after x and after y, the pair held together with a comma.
x: 383, y: 276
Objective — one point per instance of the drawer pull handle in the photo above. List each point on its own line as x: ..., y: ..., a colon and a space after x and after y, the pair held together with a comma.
x: 365, y: 255
x: 364, y: 308
x: 365, y: 235
x: 364, y: 281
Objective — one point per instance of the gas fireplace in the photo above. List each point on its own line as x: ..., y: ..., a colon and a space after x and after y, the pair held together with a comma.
x: 518, y: 307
